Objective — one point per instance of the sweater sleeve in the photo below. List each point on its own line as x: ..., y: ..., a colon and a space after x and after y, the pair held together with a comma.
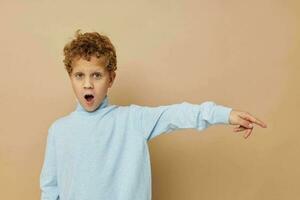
x: 48, y: 176
x: 152, y: 121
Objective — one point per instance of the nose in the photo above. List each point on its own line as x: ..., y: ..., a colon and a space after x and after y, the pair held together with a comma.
x: 88, y: 83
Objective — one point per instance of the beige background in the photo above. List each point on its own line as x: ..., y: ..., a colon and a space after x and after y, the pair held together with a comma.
x: 242, y: 54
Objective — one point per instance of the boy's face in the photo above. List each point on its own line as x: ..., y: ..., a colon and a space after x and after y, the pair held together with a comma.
x: 90, y: 78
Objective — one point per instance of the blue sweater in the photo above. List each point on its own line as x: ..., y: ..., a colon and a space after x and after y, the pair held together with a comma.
x: 103, y: 155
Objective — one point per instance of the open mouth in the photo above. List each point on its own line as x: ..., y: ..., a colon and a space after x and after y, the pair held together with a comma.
x: 89, y: 97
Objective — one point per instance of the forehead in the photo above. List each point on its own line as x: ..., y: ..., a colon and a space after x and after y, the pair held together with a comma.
x: 81, y: 64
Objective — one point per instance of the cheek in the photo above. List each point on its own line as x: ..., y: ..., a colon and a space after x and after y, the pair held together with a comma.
x: 102, y: 84
x: 101, y: 88
x: 76, y: 87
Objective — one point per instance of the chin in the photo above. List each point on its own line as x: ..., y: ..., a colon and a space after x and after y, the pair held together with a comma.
x: 91, y: 108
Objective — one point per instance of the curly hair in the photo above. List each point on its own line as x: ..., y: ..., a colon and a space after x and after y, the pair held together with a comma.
x: 87, y: 45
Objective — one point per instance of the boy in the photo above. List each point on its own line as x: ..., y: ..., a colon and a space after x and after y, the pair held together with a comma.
x: 99, y: 151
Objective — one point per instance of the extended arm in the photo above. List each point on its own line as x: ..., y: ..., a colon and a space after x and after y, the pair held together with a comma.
x: 155, y: 120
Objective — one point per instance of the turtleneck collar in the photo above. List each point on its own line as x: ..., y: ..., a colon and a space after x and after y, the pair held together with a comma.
x: 82, y: 111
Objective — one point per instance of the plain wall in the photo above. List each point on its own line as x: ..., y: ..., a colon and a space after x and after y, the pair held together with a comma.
x: 241, y: 54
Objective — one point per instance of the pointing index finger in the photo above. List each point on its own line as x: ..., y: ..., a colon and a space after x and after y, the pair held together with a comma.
x: 255, y: 120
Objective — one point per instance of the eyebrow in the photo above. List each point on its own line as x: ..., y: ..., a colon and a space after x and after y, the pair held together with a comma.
x: 92, y: 72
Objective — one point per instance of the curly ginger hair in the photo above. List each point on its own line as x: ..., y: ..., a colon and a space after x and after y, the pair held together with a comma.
x: 90, y: 44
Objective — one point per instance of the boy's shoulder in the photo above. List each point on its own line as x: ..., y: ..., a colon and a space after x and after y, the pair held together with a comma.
x: 116, y: 110
x: 65, y: 119
x: 59, y: 122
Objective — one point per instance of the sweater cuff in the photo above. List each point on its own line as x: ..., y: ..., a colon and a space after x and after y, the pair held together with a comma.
x: 221, y: 114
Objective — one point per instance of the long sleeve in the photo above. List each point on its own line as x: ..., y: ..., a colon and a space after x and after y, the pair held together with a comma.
x: 152, y: 121
x: 48, y: 176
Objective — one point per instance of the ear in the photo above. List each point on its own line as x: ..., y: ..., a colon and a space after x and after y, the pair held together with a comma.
x: 112, y: 78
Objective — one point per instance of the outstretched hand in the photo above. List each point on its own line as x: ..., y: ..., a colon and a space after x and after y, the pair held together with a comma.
x: 244, y: 121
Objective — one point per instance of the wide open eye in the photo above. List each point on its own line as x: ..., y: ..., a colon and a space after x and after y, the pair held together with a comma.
x: 79, y: 75
x: 97, y: 75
